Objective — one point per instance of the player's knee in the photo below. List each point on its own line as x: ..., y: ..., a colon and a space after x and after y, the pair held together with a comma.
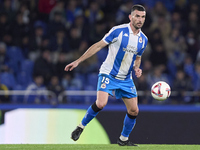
x: 133, y: 112
x: 101, y: 105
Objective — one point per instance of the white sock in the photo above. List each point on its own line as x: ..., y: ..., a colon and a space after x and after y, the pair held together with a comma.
x: 123, y: 138
x: 81, y: 126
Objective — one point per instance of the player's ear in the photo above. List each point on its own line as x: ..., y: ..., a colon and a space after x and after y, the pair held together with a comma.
x: 130, y: 17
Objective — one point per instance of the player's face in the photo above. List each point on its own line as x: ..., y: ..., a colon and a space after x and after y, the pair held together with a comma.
x: 137, y: 18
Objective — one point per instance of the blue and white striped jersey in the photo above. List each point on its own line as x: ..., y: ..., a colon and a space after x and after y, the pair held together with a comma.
x: 123, y: 48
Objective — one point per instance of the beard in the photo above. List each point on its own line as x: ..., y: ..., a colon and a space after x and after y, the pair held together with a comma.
x: 136, y: 26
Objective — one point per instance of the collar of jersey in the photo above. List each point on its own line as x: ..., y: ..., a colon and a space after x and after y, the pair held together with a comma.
x: 130, y: 30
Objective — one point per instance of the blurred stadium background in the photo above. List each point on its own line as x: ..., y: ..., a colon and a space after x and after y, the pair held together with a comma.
x: 39, y: 37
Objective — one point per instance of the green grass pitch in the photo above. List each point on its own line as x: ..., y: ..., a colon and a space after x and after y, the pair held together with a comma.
x: 95, y: 147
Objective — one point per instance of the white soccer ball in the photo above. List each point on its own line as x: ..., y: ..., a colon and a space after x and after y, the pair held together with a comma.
x: 160, y: 91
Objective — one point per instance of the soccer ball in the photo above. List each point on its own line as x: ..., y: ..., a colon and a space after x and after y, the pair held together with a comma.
x: 160, y: 91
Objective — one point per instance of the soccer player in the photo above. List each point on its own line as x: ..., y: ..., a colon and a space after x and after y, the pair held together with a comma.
x: 126, y: 44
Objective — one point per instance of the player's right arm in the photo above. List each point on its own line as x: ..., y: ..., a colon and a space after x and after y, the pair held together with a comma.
x: 91, y: 51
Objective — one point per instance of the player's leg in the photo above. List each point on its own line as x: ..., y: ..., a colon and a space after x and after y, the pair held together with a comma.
x: 129, y: 121
x: 93, y: 110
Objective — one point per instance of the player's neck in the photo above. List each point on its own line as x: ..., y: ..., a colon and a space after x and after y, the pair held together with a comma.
x: 135, y: 31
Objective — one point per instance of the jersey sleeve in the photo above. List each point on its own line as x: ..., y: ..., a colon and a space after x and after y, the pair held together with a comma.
x: 145, y: 41
x: 110, y: 36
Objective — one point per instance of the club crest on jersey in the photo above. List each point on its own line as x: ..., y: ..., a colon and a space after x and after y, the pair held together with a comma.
x: 103, y: 85
x: 140, y: 39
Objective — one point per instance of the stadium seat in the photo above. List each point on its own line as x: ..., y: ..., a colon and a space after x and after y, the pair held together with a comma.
x: 81, y: 77
x: 8, y: 79
x: 14, y: 52
x: 92, y: 80
x: 14, y: 58
x: 24, y: 79
x: 27, y: 66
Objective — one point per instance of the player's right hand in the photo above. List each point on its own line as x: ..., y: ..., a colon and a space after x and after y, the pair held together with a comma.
x: 71, y: 66
x: 138, y: 72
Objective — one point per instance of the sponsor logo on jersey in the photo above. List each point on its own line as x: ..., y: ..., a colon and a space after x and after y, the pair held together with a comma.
x: 130, y: 49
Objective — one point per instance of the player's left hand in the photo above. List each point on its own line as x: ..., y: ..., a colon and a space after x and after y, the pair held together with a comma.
x: 138, y: 72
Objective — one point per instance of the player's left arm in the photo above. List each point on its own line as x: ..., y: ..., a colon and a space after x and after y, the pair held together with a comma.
x: 136, y: 67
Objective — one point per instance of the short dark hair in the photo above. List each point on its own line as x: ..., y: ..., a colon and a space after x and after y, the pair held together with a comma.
x: 137, y: 7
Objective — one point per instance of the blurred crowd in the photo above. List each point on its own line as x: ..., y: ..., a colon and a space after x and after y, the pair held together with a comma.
x: 39, y: 37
